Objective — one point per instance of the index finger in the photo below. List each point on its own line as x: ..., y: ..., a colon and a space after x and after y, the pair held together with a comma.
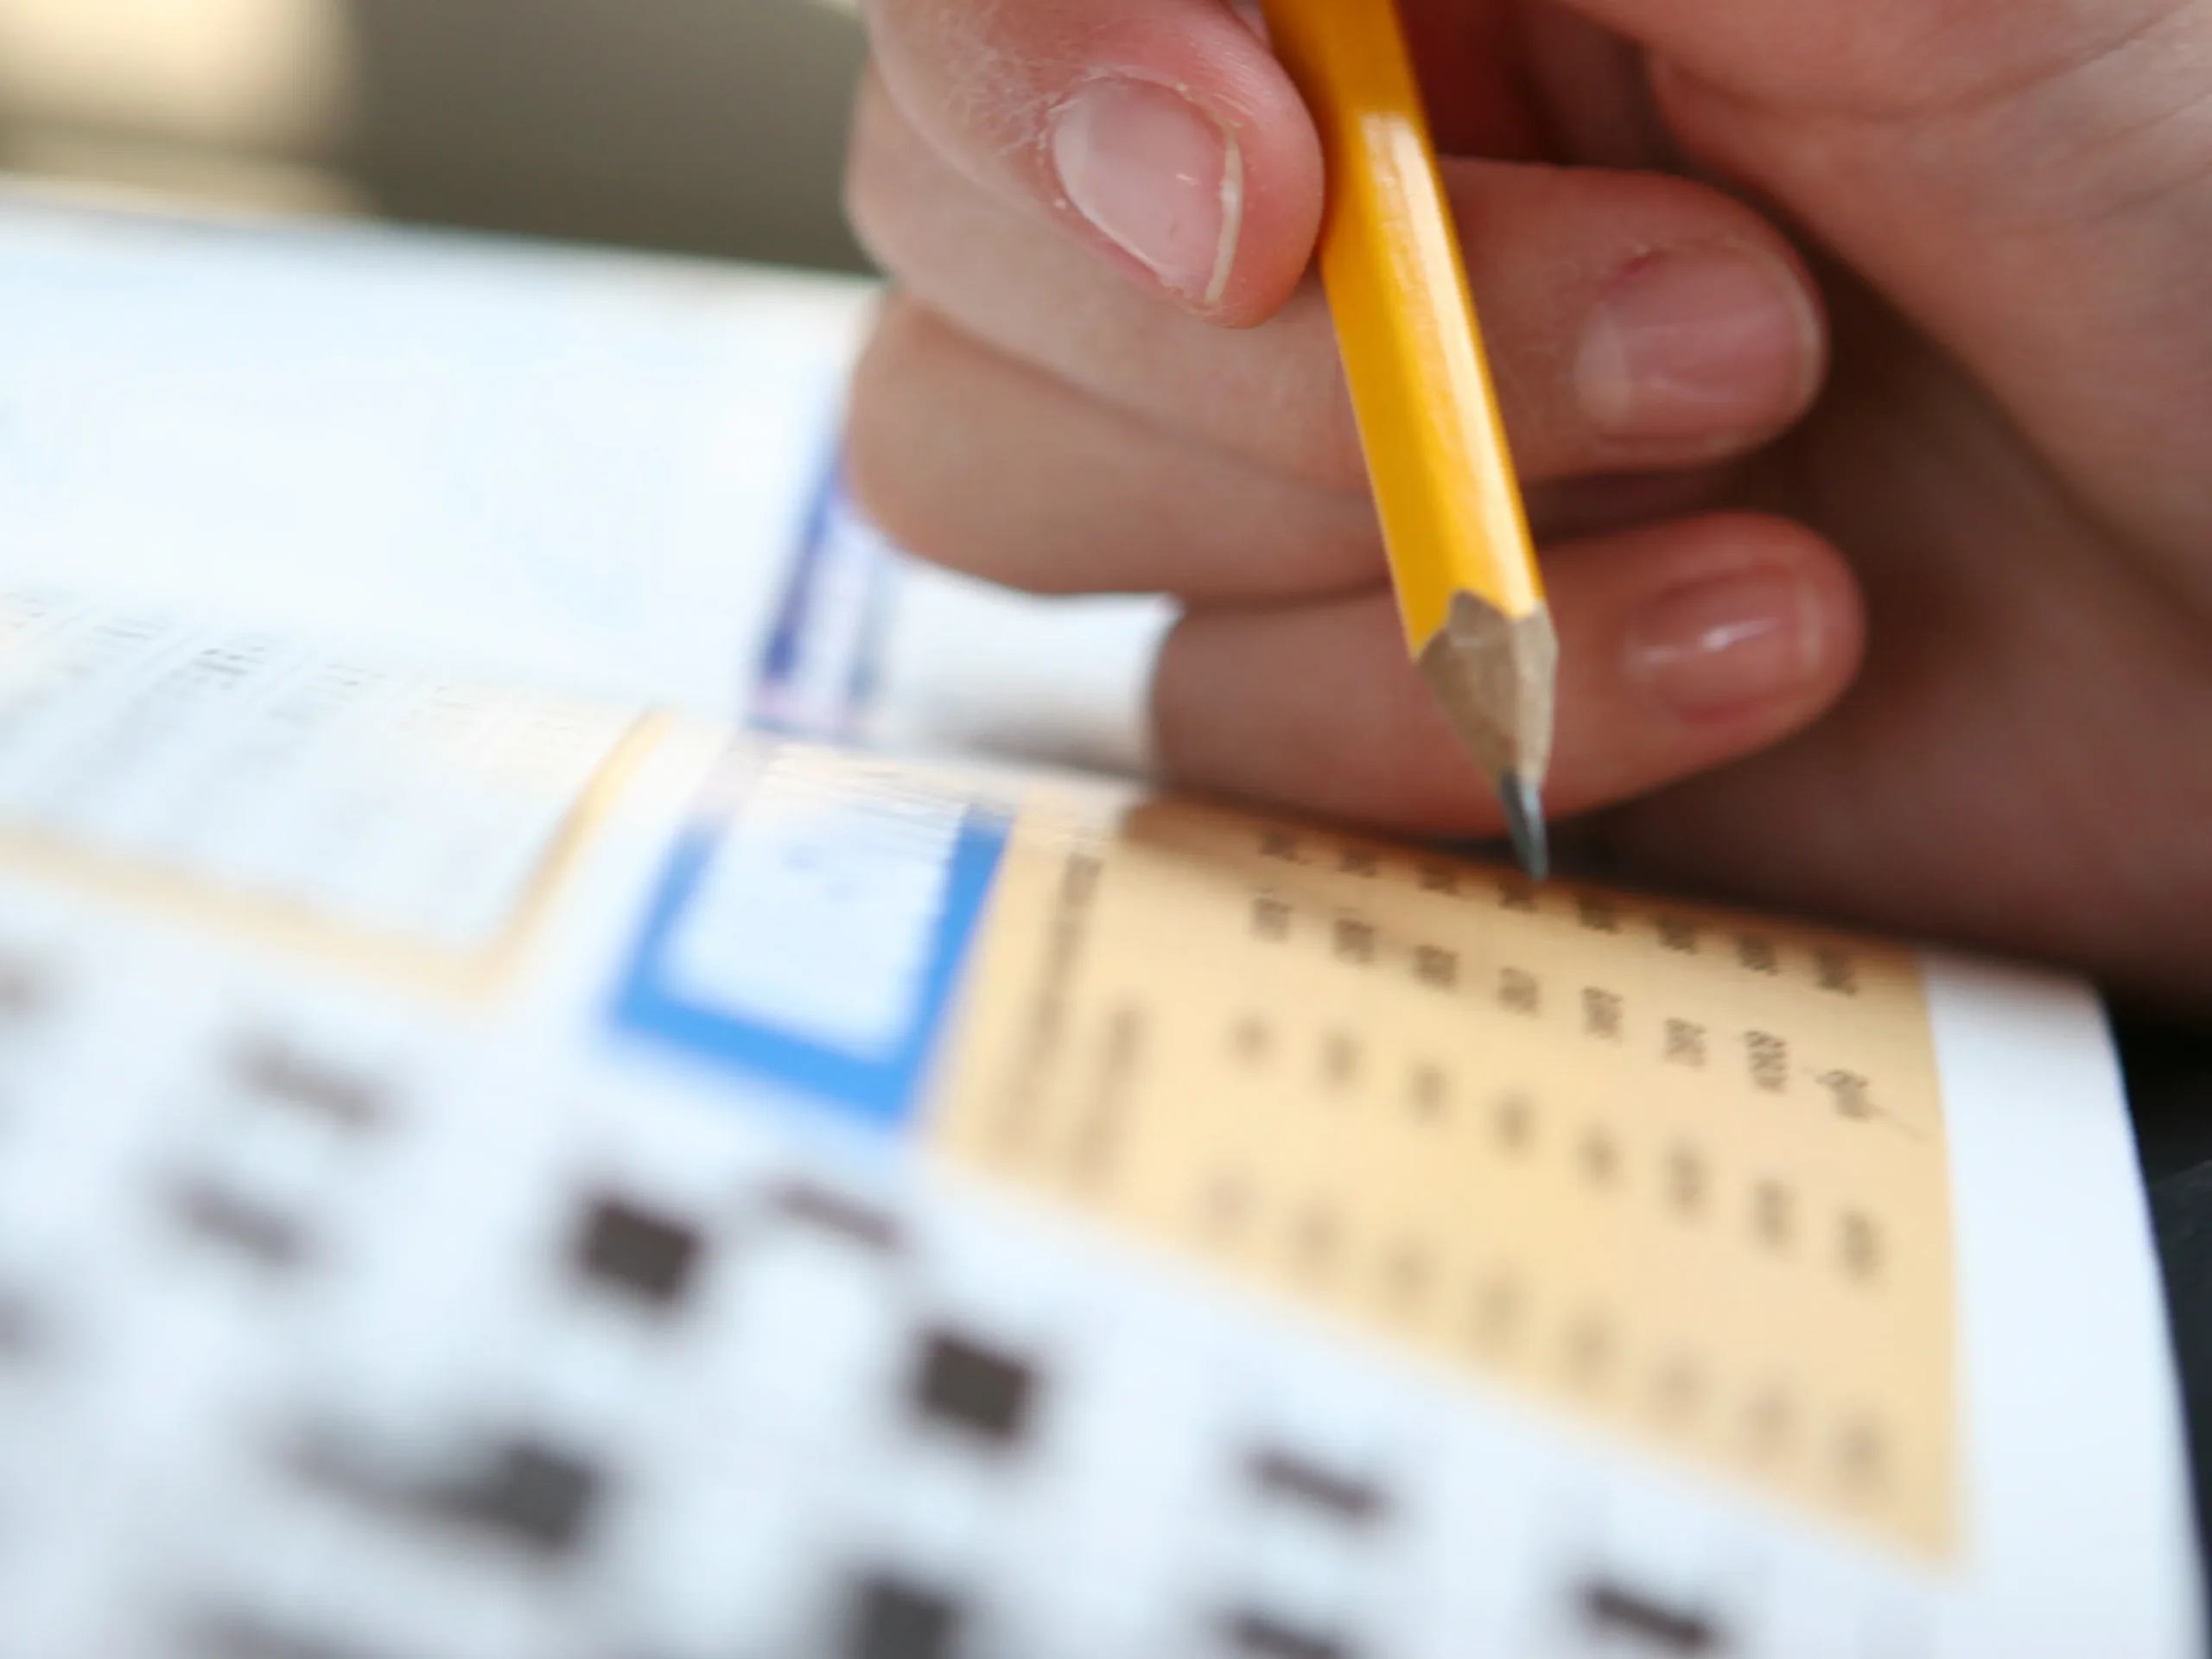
x: 1161, y: 133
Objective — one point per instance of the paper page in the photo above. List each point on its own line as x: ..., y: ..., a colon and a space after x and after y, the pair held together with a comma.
x: 832, y: 1204
x: 611, y: 475
x: 584, y: 468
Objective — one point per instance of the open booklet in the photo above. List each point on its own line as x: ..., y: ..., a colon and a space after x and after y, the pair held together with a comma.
x: 561, y: 1095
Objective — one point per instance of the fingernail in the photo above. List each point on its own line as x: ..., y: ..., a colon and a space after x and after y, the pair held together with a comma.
x: 1158, y: 177
x: 1705, y: 341
x: 1721, y: 647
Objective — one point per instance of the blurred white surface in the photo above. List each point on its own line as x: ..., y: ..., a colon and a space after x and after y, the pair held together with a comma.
x: 564, y: 466
x: 601, y: 472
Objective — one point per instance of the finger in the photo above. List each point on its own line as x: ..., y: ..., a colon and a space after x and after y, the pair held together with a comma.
x: 1160, y: 134
x: 1879, y: 61
x: 1682, y: 646
x: 974, y: 460
x: 1634, y: 321
x: 989, y: 465
x: 1592, y: 92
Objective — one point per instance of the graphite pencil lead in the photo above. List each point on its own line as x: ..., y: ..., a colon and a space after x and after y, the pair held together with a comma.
x: 1524, y: 822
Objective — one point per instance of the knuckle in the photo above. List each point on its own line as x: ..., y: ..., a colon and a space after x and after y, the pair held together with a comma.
x: 914, y: 454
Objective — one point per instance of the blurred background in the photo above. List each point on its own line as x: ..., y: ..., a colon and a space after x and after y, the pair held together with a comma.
x: 703, y: 126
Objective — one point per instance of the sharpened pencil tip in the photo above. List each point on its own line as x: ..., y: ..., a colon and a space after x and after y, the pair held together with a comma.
x: 1524, y: 822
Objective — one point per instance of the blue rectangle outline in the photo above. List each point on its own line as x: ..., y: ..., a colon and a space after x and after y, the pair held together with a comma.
x: 884, y: 1091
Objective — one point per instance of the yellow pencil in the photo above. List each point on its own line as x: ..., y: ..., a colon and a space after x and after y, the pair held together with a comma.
x: 1452, y: 520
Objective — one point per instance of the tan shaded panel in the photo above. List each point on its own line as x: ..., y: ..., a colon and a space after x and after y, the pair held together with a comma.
x: 1670, y: 1169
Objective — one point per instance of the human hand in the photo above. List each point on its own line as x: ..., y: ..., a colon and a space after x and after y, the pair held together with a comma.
x: 1103, y: 369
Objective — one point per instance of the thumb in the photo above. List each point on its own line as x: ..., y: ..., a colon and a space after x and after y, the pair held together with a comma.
x: 1161, y: 133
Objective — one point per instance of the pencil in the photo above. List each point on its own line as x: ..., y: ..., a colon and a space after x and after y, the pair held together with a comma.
x: 1461, y: 560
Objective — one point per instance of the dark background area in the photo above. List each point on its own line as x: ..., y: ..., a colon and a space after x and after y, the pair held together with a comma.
x: 707, y: 126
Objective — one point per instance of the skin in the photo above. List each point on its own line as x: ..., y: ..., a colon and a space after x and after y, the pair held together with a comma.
x: 1889, y: 599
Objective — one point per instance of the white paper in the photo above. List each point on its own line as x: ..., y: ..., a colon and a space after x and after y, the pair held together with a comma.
x: 2081, y: 1496
x: 298, y: 1352
x: 586, y: 469
x: 611, y: 473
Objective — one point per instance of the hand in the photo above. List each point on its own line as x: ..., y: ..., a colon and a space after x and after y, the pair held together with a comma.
x: 1925, y: 642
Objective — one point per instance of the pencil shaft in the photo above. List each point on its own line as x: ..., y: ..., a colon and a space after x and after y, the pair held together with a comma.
x: 1436, y: 451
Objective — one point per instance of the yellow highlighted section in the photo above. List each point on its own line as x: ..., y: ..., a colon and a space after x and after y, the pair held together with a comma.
x: 1670, y: 1169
